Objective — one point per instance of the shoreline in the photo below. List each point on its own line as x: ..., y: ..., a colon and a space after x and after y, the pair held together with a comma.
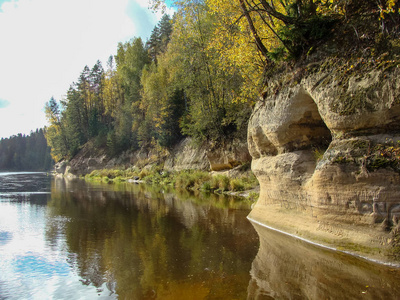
x: 242, y: 184
x: 381, y: 262
x: 364, y: 241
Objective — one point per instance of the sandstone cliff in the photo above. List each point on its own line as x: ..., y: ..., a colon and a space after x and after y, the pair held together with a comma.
x: 325, y: 149
x: 185, y: 155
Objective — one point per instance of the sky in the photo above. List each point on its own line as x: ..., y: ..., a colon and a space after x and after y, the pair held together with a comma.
x: 45, y: 44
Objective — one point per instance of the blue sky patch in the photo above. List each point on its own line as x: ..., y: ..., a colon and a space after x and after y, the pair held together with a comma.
x: 4, y: 103
x: 1, y: 3
x: 141, y: 19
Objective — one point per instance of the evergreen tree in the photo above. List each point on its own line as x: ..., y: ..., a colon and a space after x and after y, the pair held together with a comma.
x: 131, y: 59
x: 97, y: 111
x: 75, y: 122
x: 153, y: 44
x: 165, y: 31
x: 25, y: 153
x: 159, y: 38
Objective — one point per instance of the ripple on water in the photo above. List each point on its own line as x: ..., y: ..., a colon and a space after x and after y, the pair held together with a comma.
x: 5, y: 237
x: 33, y: 265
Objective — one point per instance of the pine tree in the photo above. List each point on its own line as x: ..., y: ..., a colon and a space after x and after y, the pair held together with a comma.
x: 25, y: 153
x: 159, y: 38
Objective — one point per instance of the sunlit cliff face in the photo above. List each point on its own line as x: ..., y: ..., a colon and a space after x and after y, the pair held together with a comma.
x: 317, y: 153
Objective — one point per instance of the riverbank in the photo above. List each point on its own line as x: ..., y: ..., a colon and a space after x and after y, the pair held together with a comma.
x: 368, y: 242
x: 237, y: 182
x: 208, y: 167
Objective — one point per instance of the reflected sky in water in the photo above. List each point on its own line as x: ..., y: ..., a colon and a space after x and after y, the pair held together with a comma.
x: 31, y: 268
x: 67, y: 239
x: 135, y: 242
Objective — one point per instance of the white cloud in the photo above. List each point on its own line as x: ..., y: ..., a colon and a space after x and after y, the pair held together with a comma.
x: 46, y: 43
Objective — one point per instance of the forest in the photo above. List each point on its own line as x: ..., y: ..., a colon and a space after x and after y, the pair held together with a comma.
x: 201, y: 70
x: 25, y: 153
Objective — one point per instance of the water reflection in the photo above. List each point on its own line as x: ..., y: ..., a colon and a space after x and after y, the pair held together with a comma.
x: 23, y: 184
x: 139, y: 242
x: 147, y: 243
x: 288, y: 268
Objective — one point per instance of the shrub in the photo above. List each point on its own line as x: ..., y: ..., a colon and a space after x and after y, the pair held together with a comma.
x: 182, y: 180
x: 144, y: 173
x: 318, y: 153
x: 223, y: 182
x: 214, y: 183
x: 131, y: 173
x: 250, y: 181
x: 119, y: 179
x: 237, y: 184
x: 253, y: 196
x: 206, y: 186
x: 191, y: 179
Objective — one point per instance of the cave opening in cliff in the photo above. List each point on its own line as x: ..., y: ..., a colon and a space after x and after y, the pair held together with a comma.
x: 313, y: 132
x: 286, y: 123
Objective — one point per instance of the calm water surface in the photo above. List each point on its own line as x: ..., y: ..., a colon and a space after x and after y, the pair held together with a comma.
x: 72, y: 240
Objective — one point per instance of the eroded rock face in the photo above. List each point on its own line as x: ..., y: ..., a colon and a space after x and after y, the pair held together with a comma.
x: 285, y: 123
x: 60, y: 167
x: 228, y: 155
x: 207, y: 156
x: 345, y: 190
x: 185, y: 155
x: 85, y: 161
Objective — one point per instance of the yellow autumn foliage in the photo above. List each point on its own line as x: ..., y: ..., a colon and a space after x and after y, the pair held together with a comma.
x: 233, y: 38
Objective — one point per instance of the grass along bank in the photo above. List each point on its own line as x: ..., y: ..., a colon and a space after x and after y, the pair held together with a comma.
x: 187, y: 179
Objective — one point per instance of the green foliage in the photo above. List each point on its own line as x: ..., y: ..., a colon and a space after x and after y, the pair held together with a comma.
x: 170, y: 131
x: 206, y: 186
x: 191, y: 179
x: 25, y: 153
x: 385, y: 155
x: 243, y: 183
x: 394, y: 250
x: 195, y: 180
x: 80, y: 117
x: 253, y: 196
x: 210, y: 90
x: 237, y: 185
x: 159, y: 38
x: 297, y: 39
x: 144, y: 173
x: 112, y: 175
x: 163, y: 106
x: 370, y: 156
x: 112, y: 144
x: 152, y: 94
x: 318, y: 153
x: 220, y: 182
x: 195, y: 75
x: 131, y: 58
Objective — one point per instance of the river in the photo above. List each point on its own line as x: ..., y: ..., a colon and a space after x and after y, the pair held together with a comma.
x: 68, y: 239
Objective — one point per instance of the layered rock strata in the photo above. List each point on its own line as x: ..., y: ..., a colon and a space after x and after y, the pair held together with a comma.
x: 184, y: 156
x: 325, y: 151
